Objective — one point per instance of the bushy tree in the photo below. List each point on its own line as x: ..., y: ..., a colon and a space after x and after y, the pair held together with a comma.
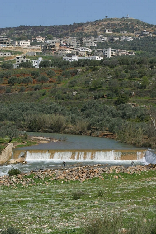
x: 12, y: 80
x: 26, y: 64
x: 45, y: 63
x: 50, y: 73
x: 35, y: 74
x: 27, y: 80
x: 7, y: 65
x: 42, y: 79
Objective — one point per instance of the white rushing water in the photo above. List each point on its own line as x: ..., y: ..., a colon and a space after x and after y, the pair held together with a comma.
x: 74, y: 156
x: 150, y: 157
x: 54, y: 159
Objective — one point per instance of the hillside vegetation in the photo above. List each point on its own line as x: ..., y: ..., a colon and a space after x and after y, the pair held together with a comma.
x: 86, y: 97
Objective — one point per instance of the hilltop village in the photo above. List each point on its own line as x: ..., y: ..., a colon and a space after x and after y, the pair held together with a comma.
x: 69, y: 48
x: 92, y: 40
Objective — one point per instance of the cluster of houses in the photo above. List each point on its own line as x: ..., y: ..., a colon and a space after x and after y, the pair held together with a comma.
x: 23, y: 59
x: 70, y: 48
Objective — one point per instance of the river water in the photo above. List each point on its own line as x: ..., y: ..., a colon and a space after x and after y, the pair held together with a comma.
x: 75, y: 150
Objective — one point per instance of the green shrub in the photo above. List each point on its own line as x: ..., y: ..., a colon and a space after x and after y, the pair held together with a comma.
x: 105, y: 225
x: 115, y: 224
x: 14, y: 171
x: 100, y: 193
x: 77, y: 195
x: 10, y: 230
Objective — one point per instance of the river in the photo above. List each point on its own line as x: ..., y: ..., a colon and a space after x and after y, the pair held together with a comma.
x: 75, y: 150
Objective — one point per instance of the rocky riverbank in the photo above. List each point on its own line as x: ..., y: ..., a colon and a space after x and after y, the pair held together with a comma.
x: 80, y: 173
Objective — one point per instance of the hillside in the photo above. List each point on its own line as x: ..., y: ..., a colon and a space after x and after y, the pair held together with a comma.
x: 97, y: 27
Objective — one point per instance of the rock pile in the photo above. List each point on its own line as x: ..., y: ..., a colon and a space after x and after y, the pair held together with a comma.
x: 70, y: 174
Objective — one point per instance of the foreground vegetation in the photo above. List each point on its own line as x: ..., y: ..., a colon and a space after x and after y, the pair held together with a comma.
x: 114, y: 204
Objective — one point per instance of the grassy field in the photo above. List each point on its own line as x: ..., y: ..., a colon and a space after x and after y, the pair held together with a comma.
x: 57, y: 206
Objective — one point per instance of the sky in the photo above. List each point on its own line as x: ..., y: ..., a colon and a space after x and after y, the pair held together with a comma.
x: 14, y: 13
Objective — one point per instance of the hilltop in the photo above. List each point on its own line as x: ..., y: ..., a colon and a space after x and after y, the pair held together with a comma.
x: 117, y: 26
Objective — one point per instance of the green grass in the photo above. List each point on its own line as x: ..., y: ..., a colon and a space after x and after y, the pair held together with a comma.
x: 52, y: 206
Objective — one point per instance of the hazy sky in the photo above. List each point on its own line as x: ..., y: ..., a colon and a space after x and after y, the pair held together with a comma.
x: 57, y: 12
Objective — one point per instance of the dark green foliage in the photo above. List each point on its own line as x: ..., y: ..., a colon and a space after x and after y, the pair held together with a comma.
x: 42, y: 79
x: 1, y: 80
x: 72, y: 83
x: 11, y: 230
x: 14, y: 171
x: 35, y: 74
x: 8, y: 130
x: 77, y: 195
x: 26, y: 64
x: 122, y: 99
x: 50, y: 73
x: 37, y: 87
x: 12, y: 80
x: 7, y: 65
x: 66, y: 74
x: 22, y: 89
x: 45, y: 63
x: 8, y: 90
x: 100, y: 193
x: 27, y: 80
x: 59, y: 79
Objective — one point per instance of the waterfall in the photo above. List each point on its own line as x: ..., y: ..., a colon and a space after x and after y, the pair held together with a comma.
x: 150, y: 157
x: 33, y: 156
x: 85, y: 155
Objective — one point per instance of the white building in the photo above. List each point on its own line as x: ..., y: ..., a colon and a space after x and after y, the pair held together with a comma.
x: 108, y: 30
x: 71, y: 59
x: 76, y: 58
x: 92, y: 58
x: 113, y: 52
x: 5, y: 54
x: 126, y: 38
x: 20, y: 59
x: 108, y: 52
x: 40, y: 39
x: 22, y: 43
x: 36, y: 63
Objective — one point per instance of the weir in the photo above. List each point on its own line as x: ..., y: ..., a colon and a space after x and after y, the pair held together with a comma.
x: 80, y: 155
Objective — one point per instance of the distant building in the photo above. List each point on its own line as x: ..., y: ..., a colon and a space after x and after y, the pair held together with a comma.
x: 5, y: 54
x: 36, y: 63
x: 113, y: 52
x: 108, y: 31
x: 4, y: 41
x: 23, y: 59
x: 20, y: 59
x: 40, y: 39
x: 71, y: 59
x: 22, y: 43
x: 76, y: 58
x: 126, y: 38
x: 108, y: 52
